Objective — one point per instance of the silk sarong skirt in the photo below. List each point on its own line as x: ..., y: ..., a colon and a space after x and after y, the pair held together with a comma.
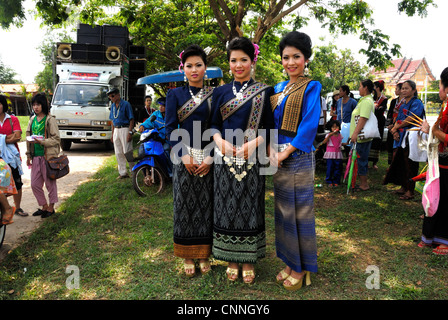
x: 193, y: 213
x: 239, y: 215
x: 295, y: 232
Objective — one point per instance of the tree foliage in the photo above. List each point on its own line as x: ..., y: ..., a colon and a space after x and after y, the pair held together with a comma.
x: 7, y: 74
x: 166, y: 27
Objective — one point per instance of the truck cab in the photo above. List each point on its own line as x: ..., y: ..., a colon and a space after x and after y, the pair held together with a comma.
x: 80, y: 103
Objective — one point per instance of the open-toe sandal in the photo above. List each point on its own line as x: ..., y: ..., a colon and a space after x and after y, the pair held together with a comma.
x: 283, y: 274
x: 189, y: 267
x: 441, y: 250
x: 248, y: 276
x: 231, y: 272
x: 296, y: 284
x: 205, y: 267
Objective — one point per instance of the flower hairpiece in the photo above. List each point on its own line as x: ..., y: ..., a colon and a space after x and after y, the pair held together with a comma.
x: 181, y: 64
x: 257, y: 51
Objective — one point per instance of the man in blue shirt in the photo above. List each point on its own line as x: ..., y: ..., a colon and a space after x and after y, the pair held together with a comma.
x: 122, y: 128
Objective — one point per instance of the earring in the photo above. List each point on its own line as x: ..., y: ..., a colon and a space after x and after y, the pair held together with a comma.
x: 230, y: 72
x: 205, y: 76
x: 284, y: 72
x: 252, y: 70
x: 306, y: 72
x: 185, y: 78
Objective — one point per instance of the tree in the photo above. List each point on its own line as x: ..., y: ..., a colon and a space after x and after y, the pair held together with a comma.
x: 166, y: 27
x: 334, y: 68
x: 7, y: 75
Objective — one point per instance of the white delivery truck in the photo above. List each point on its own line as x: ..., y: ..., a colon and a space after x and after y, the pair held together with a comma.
x: 80, y: 103
x: 84, y: 73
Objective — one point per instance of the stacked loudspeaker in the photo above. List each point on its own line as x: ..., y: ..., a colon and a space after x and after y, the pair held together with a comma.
x: 99, y: 44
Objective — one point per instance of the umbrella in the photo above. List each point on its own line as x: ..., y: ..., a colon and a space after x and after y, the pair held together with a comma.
x: 353, y: 168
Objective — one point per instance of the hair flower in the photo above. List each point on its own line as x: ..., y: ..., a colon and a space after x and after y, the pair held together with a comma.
x: 181, y: 64
x: 257, y: 51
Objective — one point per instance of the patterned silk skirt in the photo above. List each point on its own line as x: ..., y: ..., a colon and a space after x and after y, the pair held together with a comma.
x: 193, y: 213
x: 239, y: 208
x: 295, y: 233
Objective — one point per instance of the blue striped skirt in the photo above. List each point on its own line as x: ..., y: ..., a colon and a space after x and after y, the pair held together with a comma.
x: 295, y: 231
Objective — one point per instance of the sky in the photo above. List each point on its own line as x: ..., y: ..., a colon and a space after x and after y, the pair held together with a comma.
x: 418, y: 37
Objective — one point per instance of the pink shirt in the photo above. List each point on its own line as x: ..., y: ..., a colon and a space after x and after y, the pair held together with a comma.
x: 333, y: 147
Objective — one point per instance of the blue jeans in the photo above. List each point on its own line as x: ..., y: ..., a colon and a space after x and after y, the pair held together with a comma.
x: 363, y: 149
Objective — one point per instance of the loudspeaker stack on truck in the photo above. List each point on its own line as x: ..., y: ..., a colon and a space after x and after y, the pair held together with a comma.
x: 102, y: 58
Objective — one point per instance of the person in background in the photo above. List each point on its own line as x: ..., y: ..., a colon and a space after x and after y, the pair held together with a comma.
x: 323, y: 116
x: 345, y: 107
x: 359, y: 118
x: 10, y: 126
x: 403, y: 169
x: 392, y: 114
x: 334, y: 103
x: 296, y: 109
x: 380, y: 102
x: 122, y: 129
x: 333, y: 154
x: 39, y: 150
x: 7, y: 188
x: 156, y: 119
x: 435, y: 228
x: 148, y: 106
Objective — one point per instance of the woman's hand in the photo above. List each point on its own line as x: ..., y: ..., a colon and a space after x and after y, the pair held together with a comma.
x: 189, y: 164
x: 247, y: 149
x: 224, y: 146
x: 425, y: 126
x: 29, y: 162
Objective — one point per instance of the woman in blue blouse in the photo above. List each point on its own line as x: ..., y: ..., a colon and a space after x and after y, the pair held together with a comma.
x: 188, y: 112
x: 241, y: 106
x: 296, y: 108
x: 402, y: 168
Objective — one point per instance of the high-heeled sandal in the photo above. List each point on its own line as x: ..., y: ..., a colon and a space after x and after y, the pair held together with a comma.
x: 7, y: 218
x: 205, y: 267
x: 296, y: 284
x: 187, y: 267
x: 284, y: 276
x: 250, y: 274
x: 232, y: 272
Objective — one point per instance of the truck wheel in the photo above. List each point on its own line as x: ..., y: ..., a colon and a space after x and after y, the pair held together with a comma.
x: 2, y: 234
x: 66, y: 144
x: 147, y: 180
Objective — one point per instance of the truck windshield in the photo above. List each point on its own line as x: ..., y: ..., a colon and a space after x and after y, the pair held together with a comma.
x: 81, y: 94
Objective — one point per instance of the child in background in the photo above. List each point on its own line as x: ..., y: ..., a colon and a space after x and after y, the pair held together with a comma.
x: 333, y: 154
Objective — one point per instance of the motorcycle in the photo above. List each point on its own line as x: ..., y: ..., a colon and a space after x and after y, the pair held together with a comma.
x: 154, y: 167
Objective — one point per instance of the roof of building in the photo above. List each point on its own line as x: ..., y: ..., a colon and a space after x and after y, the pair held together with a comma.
x: 404, y: 69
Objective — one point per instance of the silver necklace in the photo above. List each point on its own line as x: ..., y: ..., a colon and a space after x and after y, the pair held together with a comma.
x: 284, y: 94
x: 197, y: 99
x: 239, y: 94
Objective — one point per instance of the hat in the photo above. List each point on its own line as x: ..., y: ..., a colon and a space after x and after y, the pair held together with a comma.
x: 336, y: 92
x: 161, y: 101
x: 113, y: 90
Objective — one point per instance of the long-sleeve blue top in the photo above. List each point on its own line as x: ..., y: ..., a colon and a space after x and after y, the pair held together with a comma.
x: 414, y: 105
x: 158, y: 122
x: 240, y: 118
x: 307, y: 129
x: 192, y: 133
x: 345, y: 115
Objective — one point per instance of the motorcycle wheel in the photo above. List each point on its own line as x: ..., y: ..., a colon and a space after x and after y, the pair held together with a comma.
x: 147, y: 180
x: 2, y: 233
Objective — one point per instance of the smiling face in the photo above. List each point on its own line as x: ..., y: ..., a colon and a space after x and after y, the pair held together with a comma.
x: 240, y: 65
x: 194, y: 68
x: 293, y: 62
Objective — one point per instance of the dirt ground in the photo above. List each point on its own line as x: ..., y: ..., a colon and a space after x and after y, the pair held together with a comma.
x: 85, y: 160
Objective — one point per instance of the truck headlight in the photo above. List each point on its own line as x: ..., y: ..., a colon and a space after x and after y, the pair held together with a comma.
x: 62, y: 121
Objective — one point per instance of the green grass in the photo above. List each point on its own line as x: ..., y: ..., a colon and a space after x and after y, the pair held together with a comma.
x: 23, y: 125
x: 122, y: 245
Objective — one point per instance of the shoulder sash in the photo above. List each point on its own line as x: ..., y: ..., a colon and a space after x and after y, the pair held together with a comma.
x: 189, y: 107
